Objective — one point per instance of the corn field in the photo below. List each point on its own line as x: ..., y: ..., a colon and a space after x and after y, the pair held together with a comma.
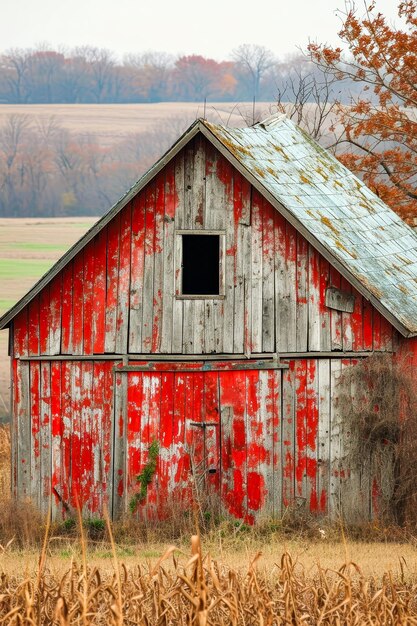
x: 202, y: 592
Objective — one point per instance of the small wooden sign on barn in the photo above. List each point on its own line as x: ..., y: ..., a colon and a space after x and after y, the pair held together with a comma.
x: 210, y: 313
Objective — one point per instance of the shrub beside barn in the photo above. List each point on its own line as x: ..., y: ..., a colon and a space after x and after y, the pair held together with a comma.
x: 210, y: 314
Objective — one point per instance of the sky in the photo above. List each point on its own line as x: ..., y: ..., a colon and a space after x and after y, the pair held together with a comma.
x: 210, y: 28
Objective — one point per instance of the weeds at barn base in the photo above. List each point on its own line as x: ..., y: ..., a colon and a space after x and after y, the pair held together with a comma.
x: 378, y: 401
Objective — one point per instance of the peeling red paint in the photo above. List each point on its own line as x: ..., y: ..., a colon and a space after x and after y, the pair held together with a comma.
x: 258, y: 436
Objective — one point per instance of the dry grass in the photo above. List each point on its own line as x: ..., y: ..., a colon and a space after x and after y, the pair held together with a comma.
x: 195, y: 589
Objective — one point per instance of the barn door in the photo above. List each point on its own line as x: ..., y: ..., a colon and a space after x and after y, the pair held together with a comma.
x: 180, y: 411
x: 250, y: 403
x: 218, y: 438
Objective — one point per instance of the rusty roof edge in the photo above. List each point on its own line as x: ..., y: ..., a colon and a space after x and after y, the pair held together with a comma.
x: 191, y: 131
x: 325, y: 251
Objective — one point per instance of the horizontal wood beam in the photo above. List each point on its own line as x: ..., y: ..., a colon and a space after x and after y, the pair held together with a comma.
x: 330, y: 355
x: 199, y: 366
x: 200, y: 358
x: 74, y: 357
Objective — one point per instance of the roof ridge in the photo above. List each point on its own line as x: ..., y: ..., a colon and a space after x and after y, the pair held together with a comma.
x: 273, y: 120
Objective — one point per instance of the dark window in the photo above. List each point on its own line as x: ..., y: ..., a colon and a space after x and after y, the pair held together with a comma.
x: 200, y: 264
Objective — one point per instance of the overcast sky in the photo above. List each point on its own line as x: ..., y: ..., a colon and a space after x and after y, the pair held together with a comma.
x: 211, y: 28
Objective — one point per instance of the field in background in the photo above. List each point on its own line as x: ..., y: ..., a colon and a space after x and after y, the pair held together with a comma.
x: 111, y: 122
x: 28, y: 248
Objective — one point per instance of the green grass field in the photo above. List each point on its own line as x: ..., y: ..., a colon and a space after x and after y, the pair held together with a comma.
x: 10, y: 269
x: 28, y: 248
x: 36, y: 246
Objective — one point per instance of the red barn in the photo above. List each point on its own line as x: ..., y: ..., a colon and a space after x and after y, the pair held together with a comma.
x: 211, y: 310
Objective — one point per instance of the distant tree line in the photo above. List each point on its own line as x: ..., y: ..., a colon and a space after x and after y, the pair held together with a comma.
x: 94, y: 75
x: 47, y: 170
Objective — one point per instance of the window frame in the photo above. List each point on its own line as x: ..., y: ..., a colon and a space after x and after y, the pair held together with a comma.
x: 178, y: 264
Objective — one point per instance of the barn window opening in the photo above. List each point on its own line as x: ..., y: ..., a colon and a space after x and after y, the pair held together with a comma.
x: 200, y: 265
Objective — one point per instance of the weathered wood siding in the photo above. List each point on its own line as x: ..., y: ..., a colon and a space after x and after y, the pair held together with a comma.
x: 63, y: 419
x: 274, y: 437
x: 82, y: 430
x: 119, y: 294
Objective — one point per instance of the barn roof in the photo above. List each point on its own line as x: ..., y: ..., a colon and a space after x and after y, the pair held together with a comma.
x: 359, y: 234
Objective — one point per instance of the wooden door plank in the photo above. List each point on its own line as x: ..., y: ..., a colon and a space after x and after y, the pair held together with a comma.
x: 23, y: 459
x: 44, y: 320
x: 119, y: 495
x: 97, y: 501
x: 123, y: 304
x: 323, y: 461
x: 312, y: 435
x: 267, y: 395
x: 188, y: 327
x: 56, y: 440
x: 303, y: 294
x: 325, y: 321
x: 151, y: 435
x: 179, y: 477
x: 347, y: 331
x: 148, y: 272
x: 89, y: 451
x: 89, y: 298
x: 301, y: 433
x: 238, y: 277
x: 198, y: 327
x: 194, y: 183
x: 112, y: 278
x: 55, y: 323
x: 218, y: 189
x: 268, y: 287
x: 67, y: 417
x: 335, y: 505
x: 275, y: 386
x: 137, y: 262
x: 232, y: 396
x: 168, y: 287
x: 207, y: 398
x: 335, y: 316
x: 314, y: 317
x: 33, y: 327
x: 179, y: 191
x: 256, y: 277
x: 35, y: 442
x: 78, y: 304
x: 288, y: 436
x: 99, y: 308
x: 106, y: 425
x: 281, y: 299
x: 165, y: 505
x: 75, y: 467
x: 45, y: 441
x: 158, y: 263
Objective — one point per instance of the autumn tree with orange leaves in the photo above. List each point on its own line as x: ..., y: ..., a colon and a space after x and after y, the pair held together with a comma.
x: 378, y: 133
